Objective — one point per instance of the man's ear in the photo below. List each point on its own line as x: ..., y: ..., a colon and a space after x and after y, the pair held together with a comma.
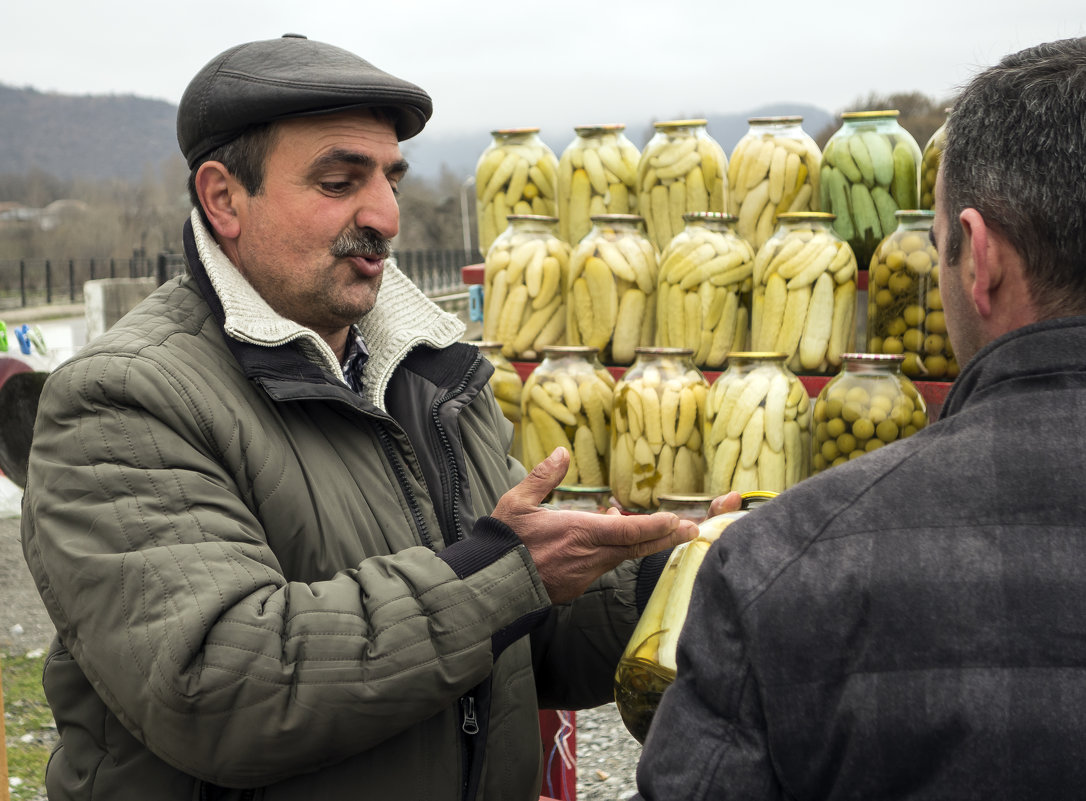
x: 219, y: 194
x: 986, y: 269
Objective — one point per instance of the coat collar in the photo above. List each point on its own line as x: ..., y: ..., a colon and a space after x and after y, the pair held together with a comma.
x: 403, y: 318
x: 1047, y: 349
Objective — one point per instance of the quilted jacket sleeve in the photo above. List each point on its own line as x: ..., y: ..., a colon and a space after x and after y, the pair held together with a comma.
x: 162, y: 585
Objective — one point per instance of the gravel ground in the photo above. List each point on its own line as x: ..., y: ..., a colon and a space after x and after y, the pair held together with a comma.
x: 606, y: 753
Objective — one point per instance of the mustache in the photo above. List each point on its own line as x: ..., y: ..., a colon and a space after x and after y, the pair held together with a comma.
x: 364, y: 242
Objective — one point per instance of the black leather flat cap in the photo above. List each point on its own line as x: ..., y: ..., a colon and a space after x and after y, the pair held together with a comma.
x: 293, y: 76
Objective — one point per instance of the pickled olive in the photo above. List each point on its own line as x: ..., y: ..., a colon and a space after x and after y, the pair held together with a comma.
x: 905, y: 316
x: 868, y: 404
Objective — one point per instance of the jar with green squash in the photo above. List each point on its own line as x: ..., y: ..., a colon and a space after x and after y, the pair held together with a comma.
x: 870, y: 169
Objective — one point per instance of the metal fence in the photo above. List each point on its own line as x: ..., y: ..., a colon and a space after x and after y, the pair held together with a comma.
x: 41, y: 282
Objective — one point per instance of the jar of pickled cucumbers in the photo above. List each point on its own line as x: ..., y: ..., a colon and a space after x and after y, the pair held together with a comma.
x: 757, y: 426
x: 703, y: 297
x: 508, y: 390
x: 611, y: 300
x: 516, y: 174
x: 686, y: 506
x: 597, y: 174
x: 904, y: 307
x: 867, y: 405
x: 567, y: 402
x: 682, y: 169
x: 774, y: 168
x: 576, y: 498
x: 648, y: 666
x: 929, y: 166
x: 656, y: 430
x: 524, y: 287
x: 870, y: 169
x: 804, y: 302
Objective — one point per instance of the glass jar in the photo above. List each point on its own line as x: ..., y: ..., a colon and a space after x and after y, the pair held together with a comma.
x: 597, y: 174
x: 703, y: 297
x: 516, y: 174
x: 581, y: 499
x: 682, y: 169
x: 774, y: 168
x: 929, y: 166
x: 611, y: 296
x: 648, y: 666
x: 870, y: 169
x: 757, y: 426
x: 867, y: 405
x: 656, y: 430
x: 904, y: 307
x: 508, y: 390
x: 524, y: 287
x: 693, y: 506
x: 804, y: 302
x: 567, y: 402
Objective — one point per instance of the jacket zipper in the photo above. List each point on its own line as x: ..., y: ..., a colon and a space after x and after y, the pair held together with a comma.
x: 453, y: 496
x: 401, y: 478
x: 469, y: 725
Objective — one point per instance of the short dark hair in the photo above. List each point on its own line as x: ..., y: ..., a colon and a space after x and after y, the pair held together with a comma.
x: 245, y: 158
x: 1016, y: 152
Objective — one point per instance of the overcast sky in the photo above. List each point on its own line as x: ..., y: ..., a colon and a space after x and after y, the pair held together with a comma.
x: 496, y: 63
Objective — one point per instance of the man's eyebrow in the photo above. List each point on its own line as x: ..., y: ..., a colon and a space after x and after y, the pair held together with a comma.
x: 337, y: 157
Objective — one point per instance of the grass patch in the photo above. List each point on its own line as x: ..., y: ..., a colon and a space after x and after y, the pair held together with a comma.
x: 28, y: 724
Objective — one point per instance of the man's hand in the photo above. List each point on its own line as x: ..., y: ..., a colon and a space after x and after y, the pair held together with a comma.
x: 572, y: 549
x: 730, y: 502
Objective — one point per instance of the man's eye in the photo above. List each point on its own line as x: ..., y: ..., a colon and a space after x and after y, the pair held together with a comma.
x: 335, y: 187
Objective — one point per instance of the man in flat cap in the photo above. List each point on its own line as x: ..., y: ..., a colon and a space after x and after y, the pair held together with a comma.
x: 271, y: 512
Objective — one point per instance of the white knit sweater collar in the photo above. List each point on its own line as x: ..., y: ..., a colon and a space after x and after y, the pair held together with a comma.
x: 402, y: 319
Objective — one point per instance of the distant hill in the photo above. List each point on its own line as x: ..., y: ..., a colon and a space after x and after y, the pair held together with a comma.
x: 90, y: 136
x: 100, y: 137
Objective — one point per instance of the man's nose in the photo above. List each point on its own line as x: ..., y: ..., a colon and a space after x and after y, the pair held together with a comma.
x: 379, y: 210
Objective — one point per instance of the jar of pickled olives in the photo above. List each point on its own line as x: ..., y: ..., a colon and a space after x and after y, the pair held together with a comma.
x: 597, y: 174
x: 904, y: 307
x: 648, y: 665
x: 567, y: 402
x: 774, y: 168
x: 929, y: 166
x: 867, y: 405
x: 870, y: 169
x: 508, y: 390
x: 804, y: 302
x: 703, y: 299
x: 516, y: 174
x: 656, y: 431
x: 757, y: 426
x: 524, y: 287
x: 611, y: 302
x: 682, y: 169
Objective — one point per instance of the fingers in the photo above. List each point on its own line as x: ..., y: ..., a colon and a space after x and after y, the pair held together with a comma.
x: 731, y: 502
x: 534, y: 488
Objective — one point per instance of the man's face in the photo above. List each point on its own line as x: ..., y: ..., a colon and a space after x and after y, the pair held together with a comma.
x: 955, y: 282
x: 313, y: 242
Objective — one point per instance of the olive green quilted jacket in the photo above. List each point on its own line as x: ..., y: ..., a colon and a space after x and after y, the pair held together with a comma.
x: 268, y: 587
